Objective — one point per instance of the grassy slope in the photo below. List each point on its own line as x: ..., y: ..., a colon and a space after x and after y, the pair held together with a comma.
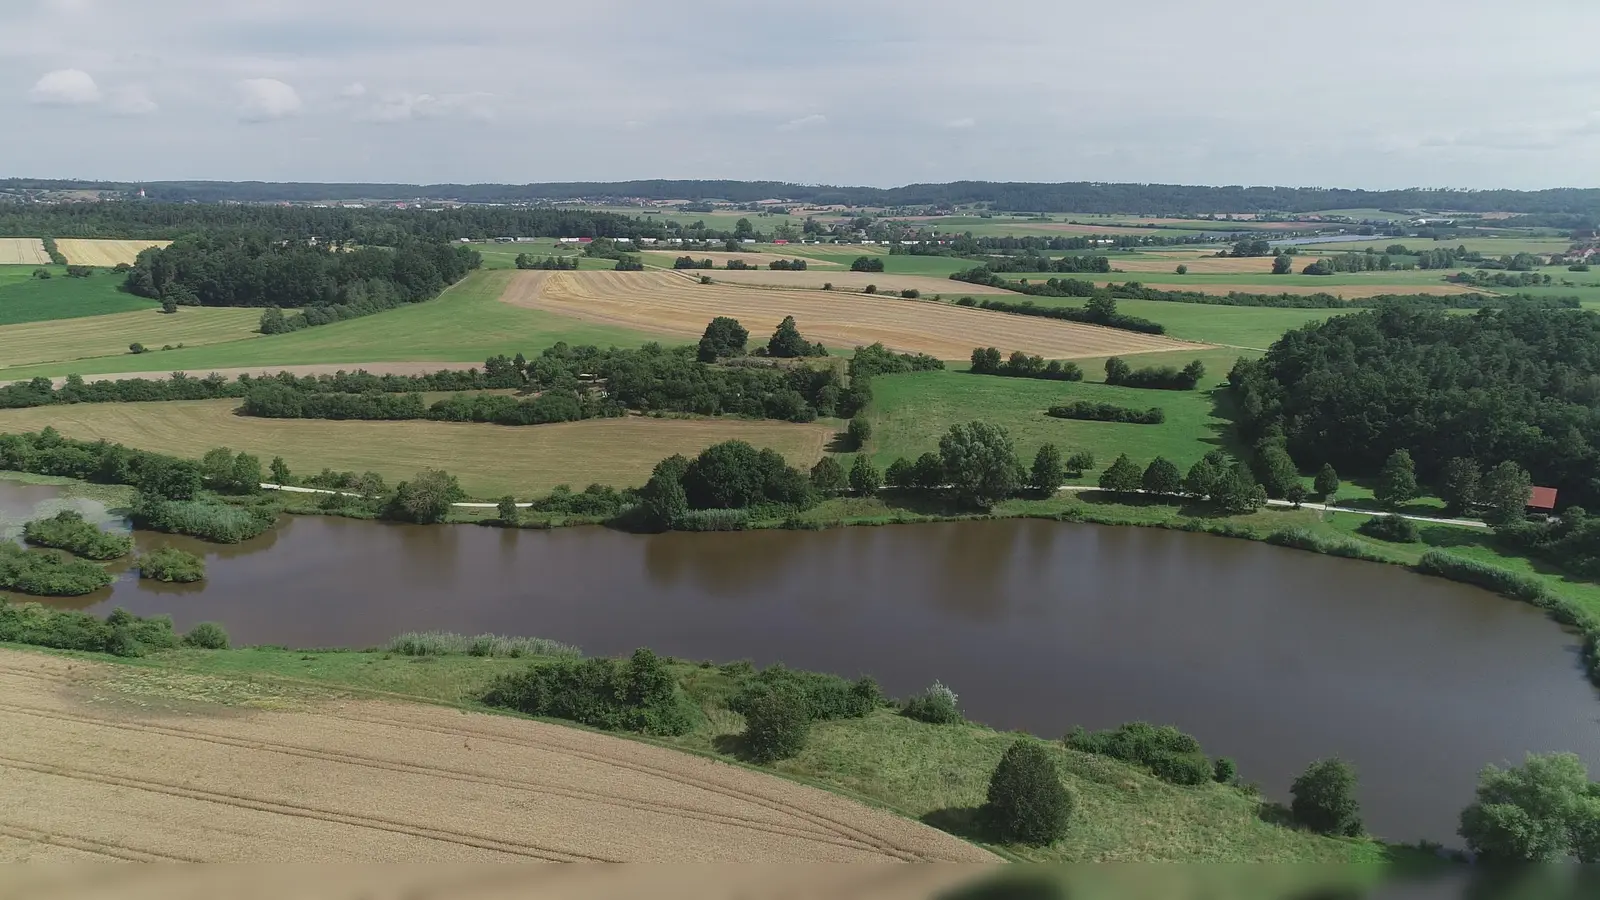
x: 29, y: 299
x: 100, y: 343
x: 465, y: 324
x: 937, y: 773
x: 910, y: 412
x: 1234, y: 326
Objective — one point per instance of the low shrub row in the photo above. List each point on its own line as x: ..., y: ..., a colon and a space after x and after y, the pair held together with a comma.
x: 121, y: 633
x: 1300, y: 538
x: 445, y: 643
x: 67, y: 530
x: 640, y: 694
x: 986, y: 361
x: 1092, y: 411
x: 1166, y: 752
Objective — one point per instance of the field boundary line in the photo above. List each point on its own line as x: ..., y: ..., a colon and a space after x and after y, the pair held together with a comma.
x: 90, y: 845
x: 823, y: 836
x: 293, y: 810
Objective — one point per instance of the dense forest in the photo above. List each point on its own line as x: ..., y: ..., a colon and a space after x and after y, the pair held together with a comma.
x: 1082, y: 197
x: 247, y: 269
x: 1520, y: 384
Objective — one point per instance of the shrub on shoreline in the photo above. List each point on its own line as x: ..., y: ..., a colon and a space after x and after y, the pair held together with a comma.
x: 46, y: 573
x: 67, y: 530
x: 171, y: 565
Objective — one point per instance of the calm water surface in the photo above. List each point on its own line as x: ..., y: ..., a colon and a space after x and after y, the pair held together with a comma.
x: 1274, y: 657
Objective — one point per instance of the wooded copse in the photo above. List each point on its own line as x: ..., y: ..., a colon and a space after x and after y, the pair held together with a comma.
x: 986, y: 361
x: 1518, y: 384
x: 1100, y: 310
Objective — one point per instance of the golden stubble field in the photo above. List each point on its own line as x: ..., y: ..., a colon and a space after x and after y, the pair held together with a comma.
x: 103, y: 253
x: 489, y: 460
x: 23, y: 252
x: 107, y: 762
x: 672, y: 305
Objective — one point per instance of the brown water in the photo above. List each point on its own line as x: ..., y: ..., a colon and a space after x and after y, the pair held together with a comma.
x: 1274, y: 657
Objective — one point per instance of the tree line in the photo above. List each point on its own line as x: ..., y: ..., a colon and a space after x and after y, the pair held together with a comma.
x: 1100, y: 310
x: 986, y: 361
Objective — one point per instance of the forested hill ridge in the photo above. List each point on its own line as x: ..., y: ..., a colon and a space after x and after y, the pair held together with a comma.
x: 1079, y: 197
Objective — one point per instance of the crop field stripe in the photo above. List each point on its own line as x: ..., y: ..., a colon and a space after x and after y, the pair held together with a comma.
x: 669, y: 304
x: 107, y: 253
x: 23, y: 252
x: 371, y: 762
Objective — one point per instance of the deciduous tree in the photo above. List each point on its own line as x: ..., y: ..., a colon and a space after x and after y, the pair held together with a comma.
x: 980, y: 462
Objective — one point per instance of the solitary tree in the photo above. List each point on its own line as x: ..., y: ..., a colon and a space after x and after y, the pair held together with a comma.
x: 1236, y: 491
x: 1117, y: 371
x: 280, y: 471
x: 1162, y: 477
x: 1275, y: 468
x: 786, y: 342
x: 980, y: 462
x: 508, y: 512
x: 1459, y: 485
x: 1080, y: 462
x: 427, y: 498
x: 985, y: 361
x: 1505, y: 493
x: 859, y: 431
x: 1543, y: 810
x: 1296, y: 494
x: 724, y: 337
x: 1397, y: 482
x: 665, y: 500
x: 1048, y: 474
x: 902, y: 473
x: 828, y: 476
x: 1325, y: 798
x: 1183, y: 269
x: 1027, y: 803
x: 1282, y: 264
x: 244, y: 476
x: 1327, y: 481
x: 1123, y: 475
x: 865, y: 479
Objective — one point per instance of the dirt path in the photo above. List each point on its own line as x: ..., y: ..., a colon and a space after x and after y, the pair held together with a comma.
x: 107, y: 762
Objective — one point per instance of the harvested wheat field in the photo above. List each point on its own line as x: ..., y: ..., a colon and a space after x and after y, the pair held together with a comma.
x: 1198, y: 265
x: 1345, y: 290
x: 666, y: 258
x: 23, y: 252
x: 489, y: 460
x: 886, y: 282
x: 670, y: 304
x: 106, y: 762
x: 103, y: 253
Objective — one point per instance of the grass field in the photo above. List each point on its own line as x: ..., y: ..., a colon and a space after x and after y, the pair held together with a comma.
x: 910, y: 412
x: 465, y: 324
x: 1253, y: 327
x: 490, y: 460
x: 23, y: 252
x: 504, y: 256
x: 24, y: 298
x: 677, y: 305
x: 70, y: 344
x: 103, y: 253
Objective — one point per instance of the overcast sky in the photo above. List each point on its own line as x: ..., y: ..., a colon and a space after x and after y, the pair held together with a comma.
x: 1442, y: 93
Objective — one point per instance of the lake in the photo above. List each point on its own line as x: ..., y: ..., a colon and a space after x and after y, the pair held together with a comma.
x: 1274, y: 657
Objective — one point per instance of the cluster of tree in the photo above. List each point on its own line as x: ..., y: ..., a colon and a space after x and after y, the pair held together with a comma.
x: 1249, y: 247
x: 1571, y: 541
x: 867, y: 264
x: 1081, y: 197
x: 738, y: 265
x: 171, y: 565
x: 629, y: 263
x: 1090, y: 411
x: 1349, y: 262
x: 1445, y: 257
x: 246, y: 269
x: 1100, y: 310
x: 787, y: 343
x: 559, y: 263
x: 787, y: 265
x: 48, y: 453
x: 1165, y: 378
x: 728, y: 476
x: 53, y: 251
x: 689, y: 262
x: 1499, y: 279
x: 1228, y: 485
x: 1518, y: 384
x: 68, y: 531
x: 986, y: 361
x: 1040, y: 263
x: 500, y: 373
x: 640, y: 695
x: 278, y: 401
x: 121, y: 633
x: 45, y: 573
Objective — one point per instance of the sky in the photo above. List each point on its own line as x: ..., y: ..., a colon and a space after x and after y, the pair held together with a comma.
x: 1431, y: 93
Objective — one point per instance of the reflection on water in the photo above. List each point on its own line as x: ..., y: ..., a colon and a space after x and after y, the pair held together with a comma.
x: 1271, y: 656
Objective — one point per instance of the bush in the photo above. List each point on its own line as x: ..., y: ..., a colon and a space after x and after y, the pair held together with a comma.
x: 171, y: 565
x: 1224, y: 770
x: 1091, y: 411
x: 68, y: 531
x: 137, y: 347
x: 639, y: 695
x: 936, y: 705
x: 776, y: 725
x: 712, y: 520
x: 445, y: 643
x: 120, y: 633
x: 204, y: 519
x: 206, y: 636
x: 45, y: 573
x: 824, y: 697
x: 911, y: 294
x: 1397, y: 529
x: 1164, y: 751
x: 1027, y: 803
x: 1324, y: 798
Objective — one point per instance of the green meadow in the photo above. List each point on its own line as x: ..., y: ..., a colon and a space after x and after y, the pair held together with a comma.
x: 24, y: 298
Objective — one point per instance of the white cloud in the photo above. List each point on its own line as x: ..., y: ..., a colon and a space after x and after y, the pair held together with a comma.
x: 353, y: 91
x: 811, y: 121
x: 266, y: 99
x: 65, y: 87
x: 131, y: 100
x: 965, y: 122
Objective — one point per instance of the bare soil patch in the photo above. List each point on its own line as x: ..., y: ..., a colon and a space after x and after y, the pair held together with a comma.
x: 23, y: 252
x: 95, y: 764
x: 670, y: 304
x: 103, y: 253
